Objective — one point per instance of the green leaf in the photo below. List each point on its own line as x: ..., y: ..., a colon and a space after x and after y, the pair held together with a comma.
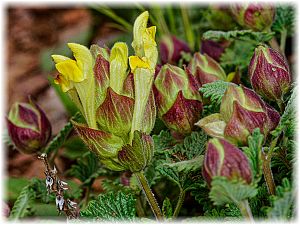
x: 23, y: 203
x: 215, y: 91
x: 284, y: 19
x: 61, y: 137
x: 245, y: 35
x: 167, y: 209
x: 253, y: 153
x: 238, y: 55
x: 224, y: 191
x: 114, y: 186
x: 111, y: 207
x: 87, y: 168
x: 282, y: 203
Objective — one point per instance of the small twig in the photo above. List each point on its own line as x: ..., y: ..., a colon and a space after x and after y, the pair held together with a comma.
x: 179, y: 203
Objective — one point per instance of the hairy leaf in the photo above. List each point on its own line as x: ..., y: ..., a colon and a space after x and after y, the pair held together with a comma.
x: 167, y: 209
x: 253, y: 152
x: 61, y: 137
x: 111, y: 207
x: 282, y: 203
x: 284, y: 19
x: 245, y: 35
x: 23, y: 203
x: 224, y: 191
x: 214, y: 91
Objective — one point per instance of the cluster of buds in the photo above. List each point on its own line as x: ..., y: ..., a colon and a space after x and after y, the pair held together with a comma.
x: 205, y: 69
x: 226, y: 160
x: 171, y: 49
x: 28, y: 127
x: 178, y: 101
x: 57, y: 186
x: 269, y: 73
x: 241, y: 111
x: 115, y: 98
x: 258, y: 17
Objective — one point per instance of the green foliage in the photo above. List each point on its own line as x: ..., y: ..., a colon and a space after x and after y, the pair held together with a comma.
x: 253, y: 152
x: 167, y: 209
x: 243, y: 35
x: 61, y: 137
x: 282, y: 203
x: 284, y: 19
x: 224, y: 191
x: 111, y: 207
x: 259, y: 202
x: 87, y: 168
x: 214, y: 91
x: 228, y: 210
x: 23, y: 204
x: 238, y: 54
x: 114, y: 186
x: 183, y: 161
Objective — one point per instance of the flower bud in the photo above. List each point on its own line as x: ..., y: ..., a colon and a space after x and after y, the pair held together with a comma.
x: 213, y: 49
x: 28, y: 127
x: 136, y: 156
x: 177, y: 99
x: 226, y: 160
x: 258, y: 17
x: 171, y: 48
x: 205, y: 69
x: 241, y: 111
x: 269, y: 73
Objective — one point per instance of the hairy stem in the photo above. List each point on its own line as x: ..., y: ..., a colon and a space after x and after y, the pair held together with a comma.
x: 245, y: 210
x: 149, y: 195
x: 179, y: 203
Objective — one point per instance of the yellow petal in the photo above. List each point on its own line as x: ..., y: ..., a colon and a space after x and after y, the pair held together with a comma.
x: 137, y: 62
x: 139, y: 28
x: 70, y: 71
x: 83, y: 57
x: 59, y: 58
x: 64, y: 84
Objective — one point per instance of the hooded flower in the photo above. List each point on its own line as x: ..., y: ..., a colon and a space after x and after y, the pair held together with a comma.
x: 124, y: 111
x: 241, y: 111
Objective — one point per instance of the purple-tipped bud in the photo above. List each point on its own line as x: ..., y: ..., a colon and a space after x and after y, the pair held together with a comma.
x: 171, y: 48
x: 258, y: 17
x: 205, y: 69
x: 241, y: 111
x: 269, y: 73
x: 177, y: 99
x: 226, y: 160
x: 28, y: 127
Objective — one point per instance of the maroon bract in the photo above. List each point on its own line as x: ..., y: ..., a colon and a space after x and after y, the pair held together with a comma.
x: 28, y: 127
x: 269, y: 73
x: 226, y: 160
x: 177, y: 99
x: 241, y: 111
x: 205, y: 69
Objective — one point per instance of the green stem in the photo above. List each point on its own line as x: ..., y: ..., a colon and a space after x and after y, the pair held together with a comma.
x: 274, y: 44
x: 149, y: 195
x: 87, y: 196
x: 139, y: 207
x: 179, y: 203
x: 245, y: 210
x: 187, y: 27
x: 161, y: 20
x: 283, y: 40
